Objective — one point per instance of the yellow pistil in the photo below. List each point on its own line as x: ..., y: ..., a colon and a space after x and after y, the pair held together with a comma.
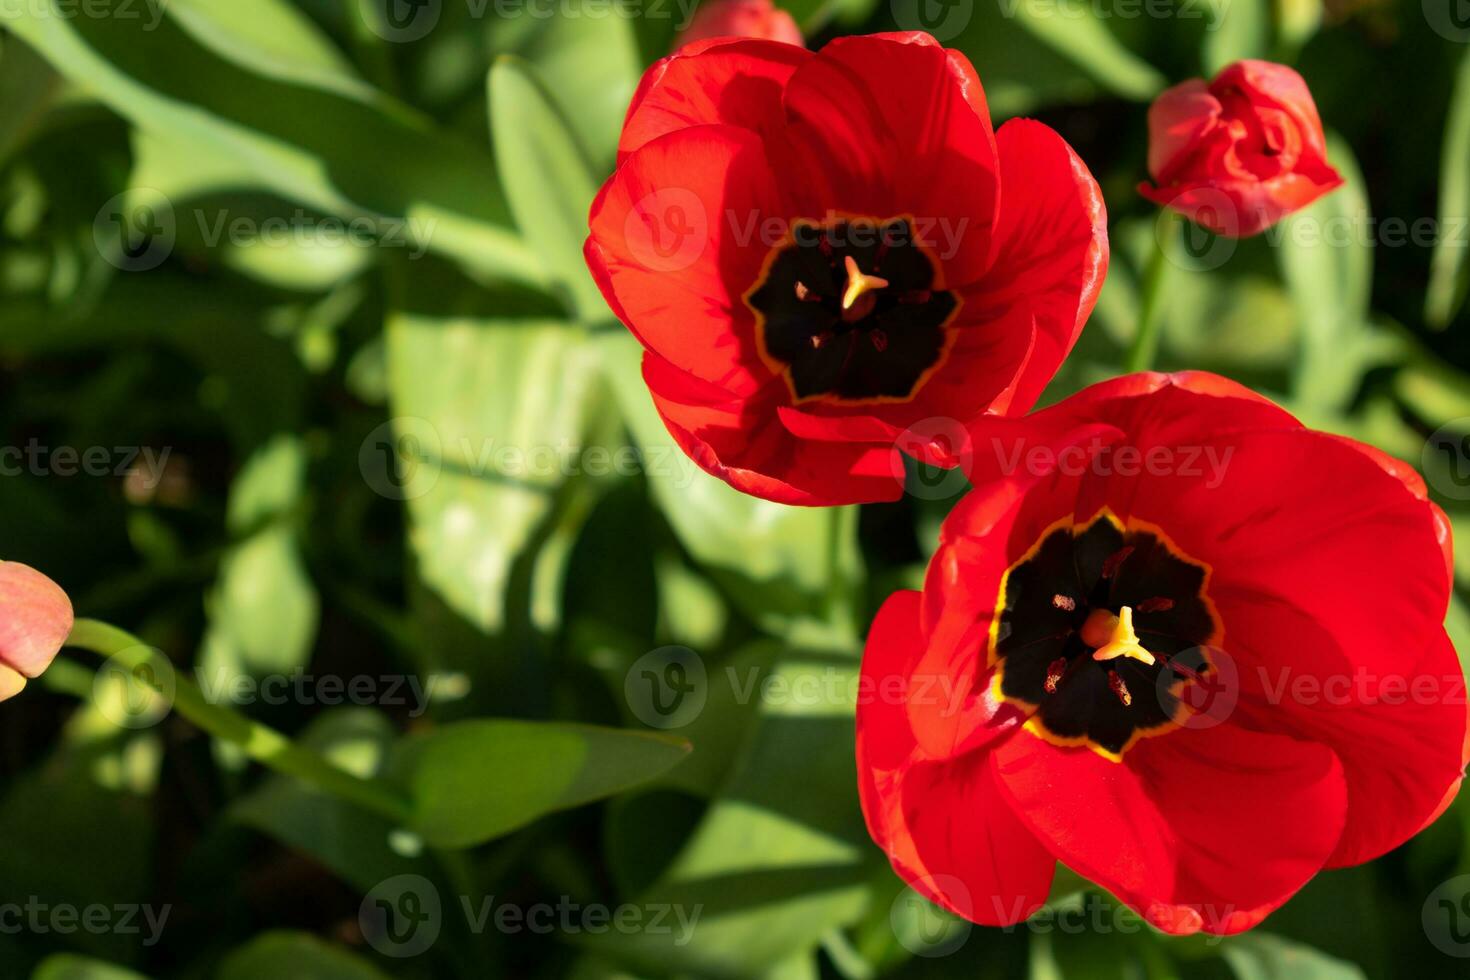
x: 1113, y: 636
x: 859, y: 283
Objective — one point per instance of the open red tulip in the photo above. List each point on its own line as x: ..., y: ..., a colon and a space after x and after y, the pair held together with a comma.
x: 1175, y: 641
x: 820, y: 251
x: 1238, y: 154
x: 35, y: 620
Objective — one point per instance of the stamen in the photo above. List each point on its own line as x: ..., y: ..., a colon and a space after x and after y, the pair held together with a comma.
x: 880, y: 340
x: 804, y: 295
x: 1110, y: 567
x: 1064, y: 602
x: 1054, y: 673
x: 1119, y: 688
x: 859, y: 283
x: 1156, y: 604
x: 1123, y: 641
x: 818, y: 339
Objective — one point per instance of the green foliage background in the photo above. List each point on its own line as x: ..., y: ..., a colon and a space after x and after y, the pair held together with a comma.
x: 269, y: 371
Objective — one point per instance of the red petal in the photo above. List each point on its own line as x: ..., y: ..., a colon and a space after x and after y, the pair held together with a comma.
x: 742, y: 442
x: 1187, y: 829
x: 944, y: 826
x: 665, y: 253
x: 725, y: 81
x: 1051, y: 247
x: 882, y: 125
x: 1177, y: 120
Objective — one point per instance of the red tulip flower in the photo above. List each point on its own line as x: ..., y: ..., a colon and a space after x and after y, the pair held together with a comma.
x: 1179, y: 643
x: 741, y: 18
x: 819, y: 251
x: 1238, y: 154
x: 35, y: 620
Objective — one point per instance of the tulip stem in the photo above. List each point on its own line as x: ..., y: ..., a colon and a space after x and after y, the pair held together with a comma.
x: 1145, y: 347
x: 263, y: 744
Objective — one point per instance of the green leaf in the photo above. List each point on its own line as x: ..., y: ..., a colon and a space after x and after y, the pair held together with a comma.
x: 1071, y: 28
x: 68, y: 967
x: 264, y: 609
x: 350, y: 840
x: 589, y: 65
x: 1449, y: 273
x: 270, y: 37
x: 295, y: 956
x: 774, y: 559
x: 782, y: 856
x: 1326, y: 255
x: 373, y: 159
x: 1238, y: 29
x: 547, y: 178
x: 488, y: 416
x: 1261, y: 956
x: 475, y: 780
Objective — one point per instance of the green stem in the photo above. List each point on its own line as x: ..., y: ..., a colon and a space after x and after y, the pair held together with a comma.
x: 841, y: 606
x: 263, y: 744
x: 1145, y: 347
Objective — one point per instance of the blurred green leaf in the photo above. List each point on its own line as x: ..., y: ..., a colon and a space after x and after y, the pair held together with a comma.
x: 782, y: 855
x: 547, y: 177
x: 68, y: 967
x: 1449, y: 273
x: 1073, y: 29
x: 475, y: 780
x: 295, y: 956
x: 774, y: 559
x: 1326, y: 253
x: 1261, y: 956
x: 492, y: 414
x: 264, y: 610
x: 271, y: 37
x: 589, y: 64
x: 1238, y: 29
x: 375, y: 160
x: 350, y: 840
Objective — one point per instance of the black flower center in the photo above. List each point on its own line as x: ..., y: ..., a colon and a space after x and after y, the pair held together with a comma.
x: 849, y: 310
x: 1100, y: 630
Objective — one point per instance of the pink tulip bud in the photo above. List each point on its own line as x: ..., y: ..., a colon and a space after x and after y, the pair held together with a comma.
x: 741, y: 18
x: 35, y: 619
